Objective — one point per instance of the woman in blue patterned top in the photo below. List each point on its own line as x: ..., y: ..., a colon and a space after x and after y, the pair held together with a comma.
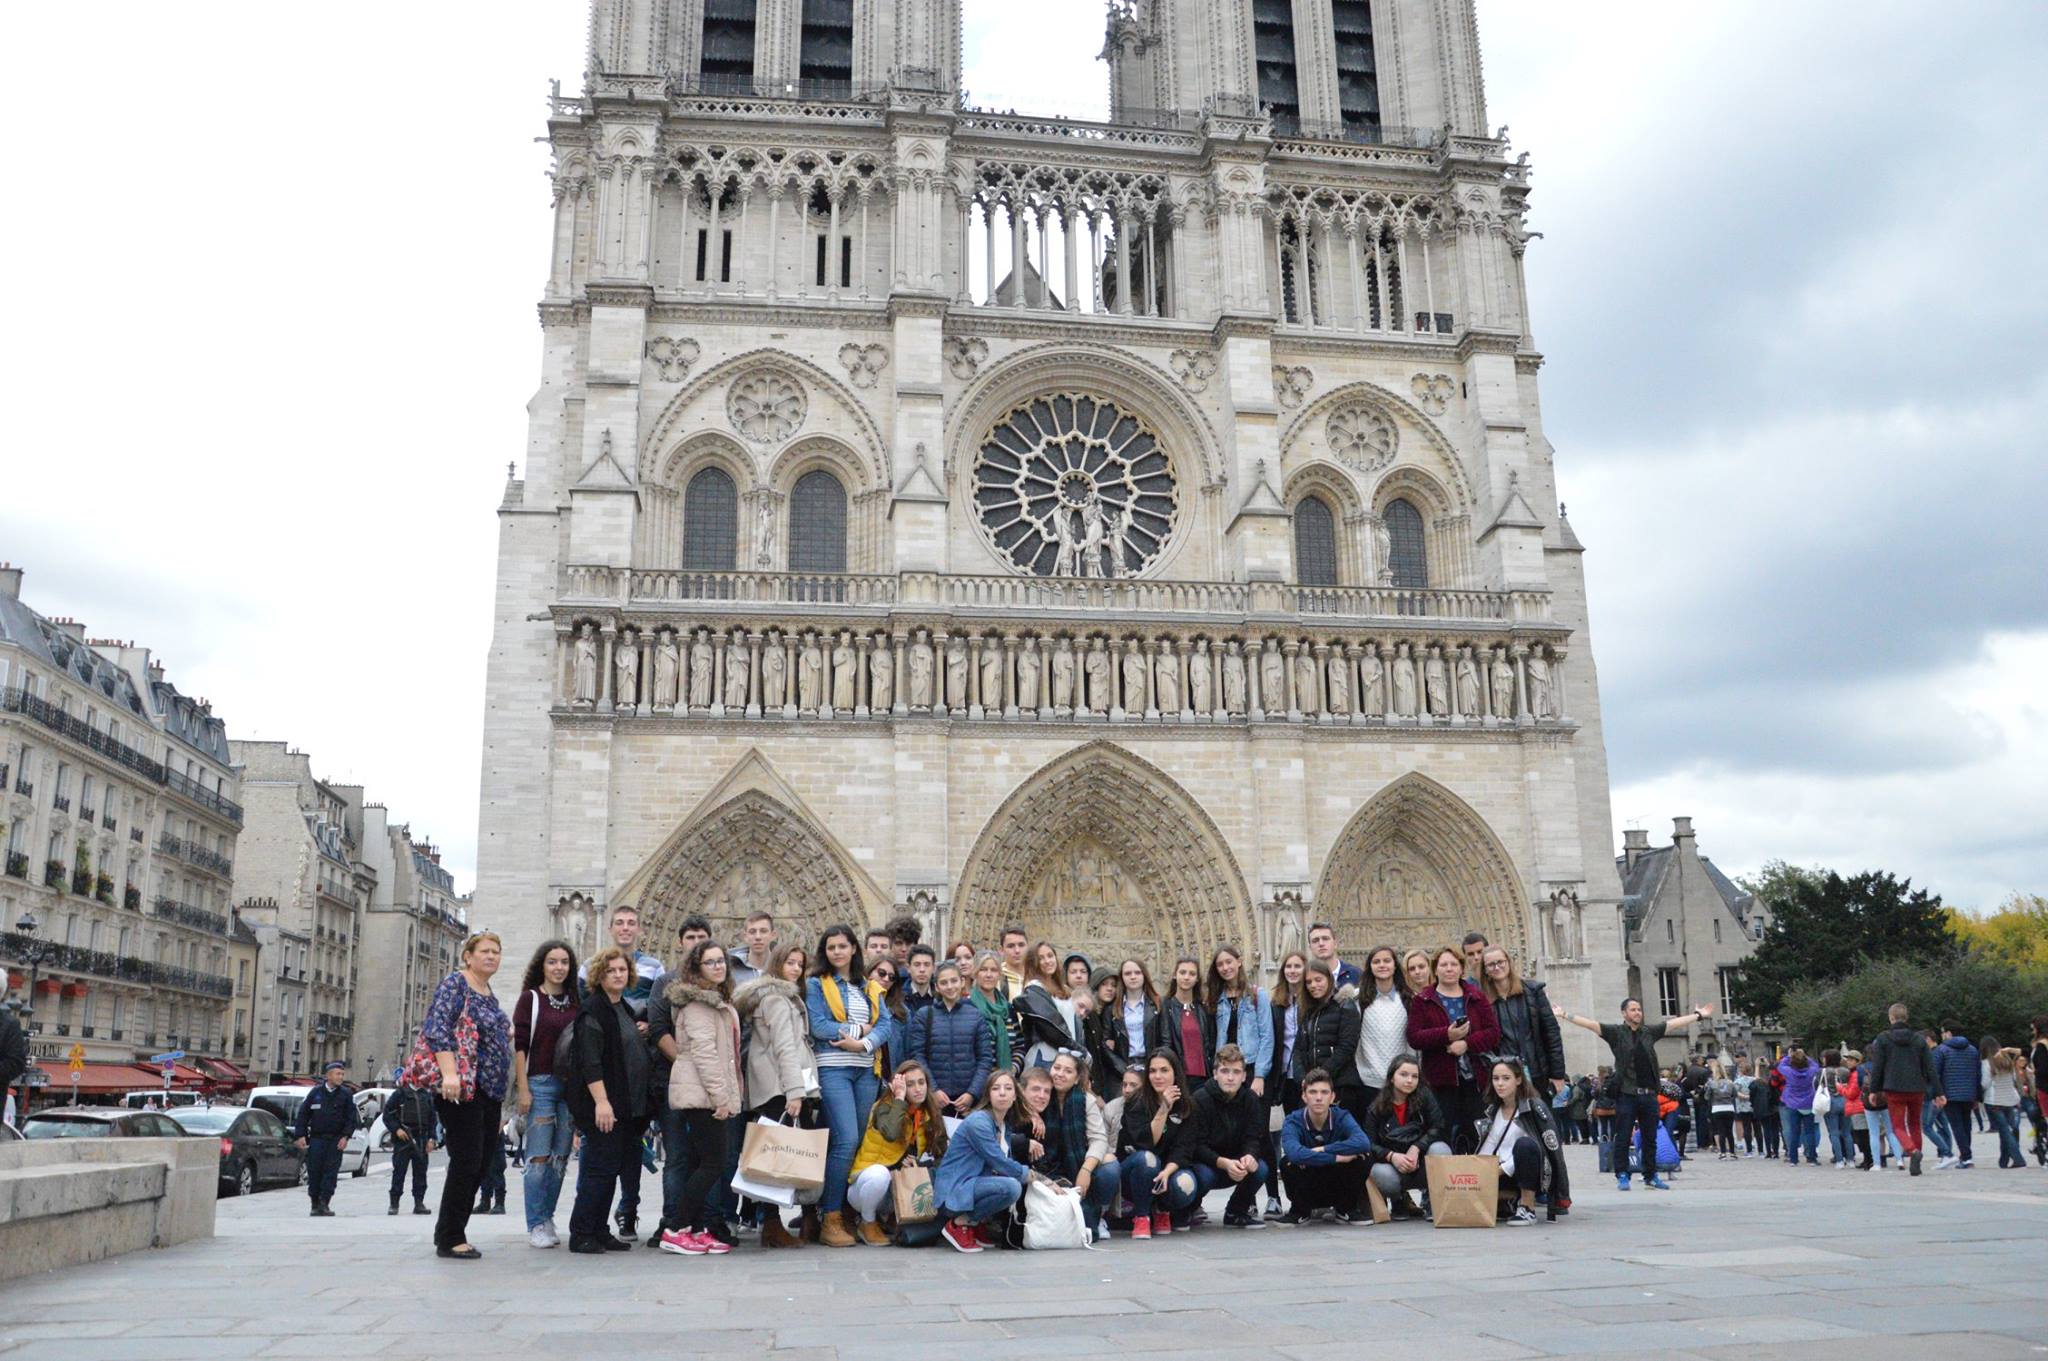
x: 472, y: 1044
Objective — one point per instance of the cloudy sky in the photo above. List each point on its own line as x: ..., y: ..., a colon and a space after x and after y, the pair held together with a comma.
x: 275, y: 335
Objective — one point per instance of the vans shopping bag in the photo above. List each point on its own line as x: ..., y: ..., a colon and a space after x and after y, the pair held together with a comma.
x: 1463, y: 1191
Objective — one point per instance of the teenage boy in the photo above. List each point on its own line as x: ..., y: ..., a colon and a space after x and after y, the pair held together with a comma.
x: 758, y: 933
x: 904, y: 932
x: 1322, y: 1156
x: 917, y: 982
x: 1013, y: 942
x: 1229, y: 1137
x: 877, y: 947
x: 1322, y: 943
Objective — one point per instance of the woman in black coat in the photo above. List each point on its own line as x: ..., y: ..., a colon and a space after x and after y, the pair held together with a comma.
x: 607, y: 1097
x: 1329, y: 1033
x: 1134, y: 1015
x: 1528, y: 1025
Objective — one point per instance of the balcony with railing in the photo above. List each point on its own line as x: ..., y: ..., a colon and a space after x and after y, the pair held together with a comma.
x: 184, y: 914
x: 192, y: 853
x: 16, y: 700
x: 14, y: 948
x: 193, y: 792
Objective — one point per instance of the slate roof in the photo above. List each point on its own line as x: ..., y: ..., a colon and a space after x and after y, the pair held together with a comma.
x: 59, y: 651
x: 1640, y: 886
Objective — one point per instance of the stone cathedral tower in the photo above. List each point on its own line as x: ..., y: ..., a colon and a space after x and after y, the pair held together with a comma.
x: 1143, y: 530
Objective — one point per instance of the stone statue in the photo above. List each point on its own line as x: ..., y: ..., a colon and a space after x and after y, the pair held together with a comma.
x: 845, y: 673
x: 1337, y: 680
x: 1539, y: 684
x: 1027, y: 675
x: 1199, y: 684
x: 1502, y: 675
x: 991, y: 673
x: 668, y: 662
x: 1063, y: 675
x: 1166, y: 678
x: 1099, y: 673
x: 737, y: 667
x: 1436, y: 691
x: 1305, y: 680
x: 1091, y: 538
x: 1068, y: 561
x: 764, y: 535
x: 1382, y: 552
x: 1467, y: 684
x: 1233, y: 680
x: 1134, y: 677
x: 1404, y: 682
x: 774, y: 673
x: 700, y: 670
x: 1115, y: 526
x: 881, y: 676
x: 810, y: 675
x: 956, y: 671
x: 626, y: 670
x: 586, y: 665
x: 921, y: 671
x: 1272, y: 679
x: 1372, y: 694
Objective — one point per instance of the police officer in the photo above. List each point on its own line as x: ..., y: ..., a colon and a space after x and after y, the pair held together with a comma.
x: 326, y: 1119
x: 414, y: 1131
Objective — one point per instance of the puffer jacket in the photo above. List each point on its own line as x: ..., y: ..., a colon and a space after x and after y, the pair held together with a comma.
x: 1799, y: 1083
x: 779, y: 1060
x: 1900, y: 1062
x: 1957, y: 1069
x: 1329, y: 1040
x: 706, y: 1073
x: 956, y: 1047
x: 1426, y: 1124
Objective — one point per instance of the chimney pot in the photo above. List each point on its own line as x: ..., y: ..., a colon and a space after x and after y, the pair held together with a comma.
x: 1681, y: 829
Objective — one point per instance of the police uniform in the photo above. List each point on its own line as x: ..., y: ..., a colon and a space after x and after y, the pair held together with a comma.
x: 327, y: 1117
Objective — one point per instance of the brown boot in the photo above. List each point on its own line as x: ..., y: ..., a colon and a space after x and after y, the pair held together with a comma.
x: 774, y: 1234
x: 832, y: 1230
x: 871, y: 1233
x: 808, y: 1225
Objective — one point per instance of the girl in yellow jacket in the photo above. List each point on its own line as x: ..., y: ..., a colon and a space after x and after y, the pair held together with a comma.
x: 906, y: 1127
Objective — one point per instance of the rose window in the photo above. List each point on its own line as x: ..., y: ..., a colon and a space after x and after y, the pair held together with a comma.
x: 1075, y: 486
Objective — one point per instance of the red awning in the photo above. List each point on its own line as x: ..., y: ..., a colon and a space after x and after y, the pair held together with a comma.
x: 184, y: 1078
x: 224, y: 1076
x: 98, y: 1079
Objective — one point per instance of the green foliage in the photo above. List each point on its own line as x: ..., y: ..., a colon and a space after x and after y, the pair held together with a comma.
x: 1824, y: 927
x: 1981, y: 995
x: 1777, y: 879
x: 2016, y: 933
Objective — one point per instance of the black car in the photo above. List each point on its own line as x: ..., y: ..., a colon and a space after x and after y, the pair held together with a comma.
x: 255, y: 1147
x: 99, y: 1122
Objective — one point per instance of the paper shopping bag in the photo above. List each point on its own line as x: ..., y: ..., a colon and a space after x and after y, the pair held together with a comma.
x: 1463, y: 1192
x: 763, y: 1191
x: 782, y: 1155
x: 1376, y: 1201
x: 911, y: 1189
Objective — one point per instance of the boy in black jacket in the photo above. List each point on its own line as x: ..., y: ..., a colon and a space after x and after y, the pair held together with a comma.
x: 1229, y: 1136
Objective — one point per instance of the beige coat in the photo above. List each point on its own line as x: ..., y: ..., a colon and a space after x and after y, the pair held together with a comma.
x: 779, y: 1058
x: 706, y: 1073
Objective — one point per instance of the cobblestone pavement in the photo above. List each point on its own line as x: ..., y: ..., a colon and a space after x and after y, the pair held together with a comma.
x: 1745, y: 1259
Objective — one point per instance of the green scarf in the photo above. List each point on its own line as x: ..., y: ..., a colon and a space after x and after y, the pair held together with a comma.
x: 996, y: 1012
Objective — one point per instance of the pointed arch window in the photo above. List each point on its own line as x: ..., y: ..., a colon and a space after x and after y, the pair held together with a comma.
x: 1406, y: 553
x: 817, y: 523
x: 1315, y: 542
x: 710, y: 522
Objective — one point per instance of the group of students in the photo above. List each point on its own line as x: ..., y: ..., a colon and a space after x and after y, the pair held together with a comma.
x: 992, y: 1068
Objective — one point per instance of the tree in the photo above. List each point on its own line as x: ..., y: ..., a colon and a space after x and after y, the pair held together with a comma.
x: 1982, y: 996
x: 1825, y: 927
x: 1777, y: 879
x: 2016, y: 933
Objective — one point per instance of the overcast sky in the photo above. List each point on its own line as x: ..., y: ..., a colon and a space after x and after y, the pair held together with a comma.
x: 275, y: 270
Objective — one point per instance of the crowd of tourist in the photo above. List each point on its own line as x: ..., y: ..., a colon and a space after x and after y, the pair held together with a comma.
x: 1324, y: 1095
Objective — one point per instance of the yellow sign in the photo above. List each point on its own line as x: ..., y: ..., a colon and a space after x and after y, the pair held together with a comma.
x: 78, y: 1065
x: 76, y: 1053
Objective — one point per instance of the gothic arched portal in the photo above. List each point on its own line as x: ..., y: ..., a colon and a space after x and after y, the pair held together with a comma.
x: 1417, y: 867
x: 1102, y: 852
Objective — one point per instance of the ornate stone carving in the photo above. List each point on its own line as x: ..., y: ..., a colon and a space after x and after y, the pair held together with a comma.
x: 1200, y: 687
x: 673, y: 356
x: 774, y: 674
x: 1063, y: 677
x: 1075, y: 485
x: 881, y: 676
x: 965, y: 355
x: 1100, y: 678
x: 1433, y: 391
x: 1467, y: 685
x: 1404, y: 683
x: 1291, y: 384
x: 1361, y: 437
x: 845, y: 674
x: 1539, y: 685
x: 585, y: 682
x: 626, y: 670
x: 863, y: 363
x: 764, y: 535
x: 921, y: 672
x: 700, y: 670
x: 736, y: 672
x: 1382, y: 551
x: 810, y: 675
x: 1027, y: 675
x: 1233, y: 680
x: 1501, y: 674
x: 766, y: 407
x: 1436, y: 684
x: 668, y: 665
x: 1194, y: 368
x: 956, y: 672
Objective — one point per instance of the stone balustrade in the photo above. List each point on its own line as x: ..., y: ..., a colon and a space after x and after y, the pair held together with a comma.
x: 1415, y: 673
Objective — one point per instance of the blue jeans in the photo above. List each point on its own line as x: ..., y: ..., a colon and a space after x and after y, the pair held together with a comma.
x: 1634, y: 1111
x: 845, y: 1093
x: 1801, y: 1131
x: 1935, y: 1126
x: 1243, y: 1194
x: 2006, y: 1120
x: 1841, y: 1141
x: 1103, y: 1184
x: 549, y: 1135
x: 987, y: 1197
x: 1180, y: 1192
x: 1957, y: 1113
x: 675, y: 1163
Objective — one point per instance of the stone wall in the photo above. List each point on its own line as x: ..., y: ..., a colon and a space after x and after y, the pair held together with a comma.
x: 66, y: 1201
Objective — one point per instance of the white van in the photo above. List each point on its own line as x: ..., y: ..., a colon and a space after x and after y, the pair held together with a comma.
x: 155, y: 1098
x: 284, y: 1102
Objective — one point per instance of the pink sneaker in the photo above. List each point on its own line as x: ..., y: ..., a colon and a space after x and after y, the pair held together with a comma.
x: 684, y: 1243
x: 1162, y: 1225
x: 714, y: 1247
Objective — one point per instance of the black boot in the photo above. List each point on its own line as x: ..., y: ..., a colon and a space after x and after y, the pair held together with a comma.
x: 419, y: 1206
x: 498, y: 1205
x: 394, y: 1204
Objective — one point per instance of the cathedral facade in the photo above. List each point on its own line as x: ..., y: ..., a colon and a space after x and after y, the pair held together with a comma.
x: 1142, y: 531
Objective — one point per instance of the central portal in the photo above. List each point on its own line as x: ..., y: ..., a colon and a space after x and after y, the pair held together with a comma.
x: 1086, y: 901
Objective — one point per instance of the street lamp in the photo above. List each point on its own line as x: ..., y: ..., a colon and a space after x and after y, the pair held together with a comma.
x: 33, y: 956
x: 320, y: 1043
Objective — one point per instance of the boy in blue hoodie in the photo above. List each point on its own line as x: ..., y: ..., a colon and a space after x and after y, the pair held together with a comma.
x: 1323, y: 1156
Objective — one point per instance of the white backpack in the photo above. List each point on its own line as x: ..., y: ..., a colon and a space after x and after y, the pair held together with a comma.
x: 1053, y: 1217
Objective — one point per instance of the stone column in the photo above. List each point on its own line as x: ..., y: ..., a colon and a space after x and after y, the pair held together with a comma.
x: 1520, y: 653
x: 901, y: 704
x: 861, y: 642
x: 791, y: 645
x: 1010, y: 707
x: 755, y: 695
x: 607, y: 681
x: 1387, y: 682
x: 1288, y: 649
x: 719, y: 699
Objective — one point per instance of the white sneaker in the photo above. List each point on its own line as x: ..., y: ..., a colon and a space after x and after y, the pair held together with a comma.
x: 1102, y: 1233
x: 543, y: 1236
x: 1944, y: 1163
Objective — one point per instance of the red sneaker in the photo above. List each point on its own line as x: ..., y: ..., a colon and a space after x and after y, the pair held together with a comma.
x: 1141, y: 1227
x: 1162, y: 1225
x: 961, y: 1236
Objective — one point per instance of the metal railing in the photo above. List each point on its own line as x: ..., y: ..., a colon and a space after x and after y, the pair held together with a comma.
x: 122, y: 968
x: 186, y: 787
x: 184, y: 914
x: 192, y: 853
x: 1359, y: 134
x: 16, y: 700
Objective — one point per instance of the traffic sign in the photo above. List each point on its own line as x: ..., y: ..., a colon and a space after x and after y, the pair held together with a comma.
x: 76, y: 1054
x: 167, y: 1059
x: 35, y: 1077
x: 77, y: 1067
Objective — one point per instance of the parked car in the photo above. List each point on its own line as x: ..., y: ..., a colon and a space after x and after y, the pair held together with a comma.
x: 157, y: 1099
x: 9, y: 1134
x: 255, y: 1148
x: 284, y: 1102
x: 99, y: 1122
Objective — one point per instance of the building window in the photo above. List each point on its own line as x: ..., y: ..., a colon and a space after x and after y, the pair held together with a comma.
x: 825, y: 58
x: 1358, y: 94
x: 710, y: 522
x: 1405, y: 552
x: 817, y: 523
x: 1727, y: 980
x: 1273, y: 39
x: 1315, y: 542
x: 1717, y: 930
x: 1667, y: 991
x: 728, y: 61
x: 1671, y: 930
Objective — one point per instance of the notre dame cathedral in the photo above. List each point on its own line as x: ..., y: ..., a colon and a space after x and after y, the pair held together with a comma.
x: 1142, y: 530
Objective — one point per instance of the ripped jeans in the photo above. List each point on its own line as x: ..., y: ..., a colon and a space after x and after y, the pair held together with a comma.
x: 1138, y: 1173
x: 549, y: 1134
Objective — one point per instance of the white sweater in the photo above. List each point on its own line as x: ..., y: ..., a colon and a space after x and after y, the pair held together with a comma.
x: 1382, y: 1035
